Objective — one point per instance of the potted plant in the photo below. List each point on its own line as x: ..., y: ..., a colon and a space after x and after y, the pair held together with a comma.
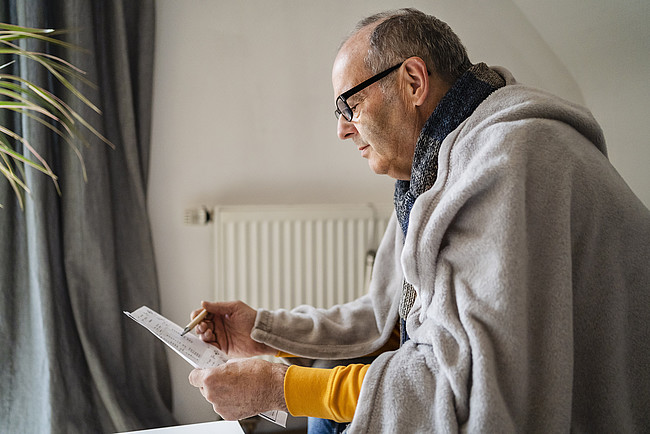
x: 25, y: 98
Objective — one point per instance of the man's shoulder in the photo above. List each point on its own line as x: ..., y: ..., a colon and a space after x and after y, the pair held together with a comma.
x: 520, y: 108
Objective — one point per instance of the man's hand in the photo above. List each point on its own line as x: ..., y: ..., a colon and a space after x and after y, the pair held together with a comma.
x: 242, y: 388
x: 228, y: 326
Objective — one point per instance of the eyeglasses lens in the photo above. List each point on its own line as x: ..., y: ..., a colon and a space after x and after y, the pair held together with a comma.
x: 343, y: 109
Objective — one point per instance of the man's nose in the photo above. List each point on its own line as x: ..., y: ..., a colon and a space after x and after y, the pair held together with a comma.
x: 345, y: 129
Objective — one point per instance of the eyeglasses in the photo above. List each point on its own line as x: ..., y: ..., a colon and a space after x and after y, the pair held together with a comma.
x: 342, y: 107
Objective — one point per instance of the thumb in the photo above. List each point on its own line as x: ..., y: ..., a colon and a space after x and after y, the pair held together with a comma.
x: 196, y: 377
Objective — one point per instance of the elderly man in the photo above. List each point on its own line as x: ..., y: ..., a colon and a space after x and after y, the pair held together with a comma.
x: 515, y: 267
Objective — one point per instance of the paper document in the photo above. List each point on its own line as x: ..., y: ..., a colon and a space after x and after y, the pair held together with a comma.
x: 218, y: 427
x: 199, y: 354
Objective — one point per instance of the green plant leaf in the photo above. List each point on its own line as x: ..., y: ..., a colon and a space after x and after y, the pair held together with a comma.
x: 29, y: 100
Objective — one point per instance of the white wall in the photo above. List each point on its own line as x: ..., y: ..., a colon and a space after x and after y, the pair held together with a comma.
x: 243, y: 111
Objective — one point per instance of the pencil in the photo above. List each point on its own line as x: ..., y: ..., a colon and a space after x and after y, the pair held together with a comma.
x: 197, y: 319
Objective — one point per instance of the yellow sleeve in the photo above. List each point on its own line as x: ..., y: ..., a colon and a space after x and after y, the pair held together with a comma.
x: 324, y: 393
x: 328, y: 393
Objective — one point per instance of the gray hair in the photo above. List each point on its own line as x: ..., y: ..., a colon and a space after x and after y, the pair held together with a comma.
x: 404, y: 33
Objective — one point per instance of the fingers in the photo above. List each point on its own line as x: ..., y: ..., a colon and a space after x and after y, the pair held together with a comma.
x: 228, y: 326
x: 233, y: 389
x: 212, y: 338
x: 220, y: 335
x: 220, y: 331
x: 242, y: 388
x: 202, y: 327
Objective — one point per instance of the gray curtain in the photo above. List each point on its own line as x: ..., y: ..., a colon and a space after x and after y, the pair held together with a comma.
x: 71, y: 362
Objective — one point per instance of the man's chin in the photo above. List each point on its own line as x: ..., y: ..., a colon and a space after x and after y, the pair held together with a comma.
x: 376, y: 167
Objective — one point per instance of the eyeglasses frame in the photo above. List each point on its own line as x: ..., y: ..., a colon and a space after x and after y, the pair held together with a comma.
x: 343, y: 98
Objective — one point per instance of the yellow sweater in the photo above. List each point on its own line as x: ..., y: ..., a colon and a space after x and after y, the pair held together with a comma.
x: 324, y: 393
x: 328, y: 393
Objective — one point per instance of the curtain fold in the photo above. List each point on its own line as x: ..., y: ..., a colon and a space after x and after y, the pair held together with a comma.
x: 70, y: 264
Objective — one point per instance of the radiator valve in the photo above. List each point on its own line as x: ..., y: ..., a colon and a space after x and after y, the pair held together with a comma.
x: 197, y: 216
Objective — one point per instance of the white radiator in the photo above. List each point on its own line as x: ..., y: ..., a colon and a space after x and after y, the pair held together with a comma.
x: 283, y: 256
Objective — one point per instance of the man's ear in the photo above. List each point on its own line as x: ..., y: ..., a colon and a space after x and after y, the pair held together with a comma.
x: 417, y: 80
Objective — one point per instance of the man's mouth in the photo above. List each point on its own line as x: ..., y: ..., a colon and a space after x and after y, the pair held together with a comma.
x: 365, y: 150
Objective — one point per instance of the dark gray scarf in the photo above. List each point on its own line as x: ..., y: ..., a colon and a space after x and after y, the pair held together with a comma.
x: 476, y: 84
